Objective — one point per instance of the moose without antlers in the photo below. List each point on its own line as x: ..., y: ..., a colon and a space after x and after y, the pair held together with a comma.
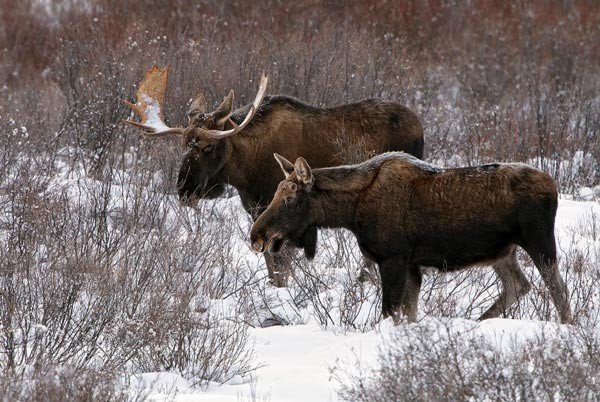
x: 236, y: 147
x: 408, y: 214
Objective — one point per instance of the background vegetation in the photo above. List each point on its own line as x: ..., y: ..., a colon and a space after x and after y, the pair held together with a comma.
x: 101, y: 273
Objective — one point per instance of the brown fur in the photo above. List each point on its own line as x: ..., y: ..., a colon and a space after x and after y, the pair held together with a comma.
x: 408, y: 214
x: 330, y: 136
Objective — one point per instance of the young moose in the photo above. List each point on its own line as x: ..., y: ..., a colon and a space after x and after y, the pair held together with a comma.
x: 407, y: 214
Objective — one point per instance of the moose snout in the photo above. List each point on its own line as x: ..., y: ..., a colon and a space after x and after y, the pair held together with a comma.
x: 258, y: 241
x: 270, y: 242
x: 258, y: 245
x: 258, y: 236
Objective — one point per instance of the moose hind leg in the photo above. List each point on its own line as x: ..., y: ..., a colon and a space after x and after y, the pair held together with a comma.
x: 543, y: 253
x: 514, y: 285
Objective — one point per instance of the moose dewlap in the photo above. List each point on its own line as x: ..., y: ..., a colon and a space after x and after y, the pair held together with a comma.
x: 407, y: 214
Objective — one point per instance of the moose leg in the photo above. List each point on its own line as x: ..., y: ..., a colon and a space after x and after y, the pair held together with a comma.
x: 413, y: 288
x: 394, y: 276
x: 514, y: 284
x: 368, y: 271
x: 278, y: 266
x: 542, y: 250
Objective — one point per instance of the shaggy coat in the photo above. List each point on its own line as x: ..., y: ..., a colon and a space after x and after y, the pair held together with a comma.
x: 354, y: 132
x: 408, y: 214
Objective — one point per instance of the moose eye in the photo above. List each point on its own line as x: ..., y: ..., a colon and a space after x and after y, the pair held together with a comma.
x: 289, y: 202
x: 207, y: 149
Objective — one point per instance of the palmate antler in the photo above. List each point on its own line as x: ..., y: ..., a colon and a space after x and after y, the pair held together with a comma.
x: 149, y: 107
x: 150, y: 98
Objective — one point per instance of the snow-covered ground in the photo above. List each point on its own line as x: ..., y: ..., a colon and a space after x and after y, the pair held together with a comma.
x: 332, y: 322
x: 296, y: 361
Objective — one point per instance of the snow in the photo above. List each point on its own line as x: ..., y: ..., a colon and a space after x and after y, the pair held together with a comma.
x: 296, y: 361
x: 160, y: 383
x: 153, y: 114
x: 586, y: 194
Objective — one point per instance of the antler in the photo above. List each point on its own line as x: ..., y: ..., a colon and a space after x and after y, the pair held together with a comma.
x: 253, y: 108
x: 150, y: 98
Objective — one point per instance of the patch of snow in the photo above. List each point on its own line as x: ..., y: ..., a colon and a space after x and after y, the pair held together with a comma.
x: 153, y: 114
x: 586, y: 194
x: 160, y: 383
x: 297, y: 360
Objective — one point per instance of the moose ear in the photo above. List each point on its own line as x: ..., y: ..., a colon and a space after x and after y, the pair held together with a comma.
x: 224, y: 110
x: 198, y: 105
x: 304, y: 172
x: 286, y: 166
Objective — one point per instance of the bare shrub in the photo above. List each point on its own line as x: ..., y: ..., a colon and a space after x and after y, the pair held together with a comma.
x: 326, y: 290
x: 509, y: 86
x: 109, y: 281
x: 55, y: 384
x: 101, y: 272
x: 441, y: 362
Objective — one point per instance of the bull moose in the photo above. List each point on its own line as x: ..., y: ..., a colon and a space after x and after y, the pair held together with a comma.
x: 408, y: 214
x: 235, y: 147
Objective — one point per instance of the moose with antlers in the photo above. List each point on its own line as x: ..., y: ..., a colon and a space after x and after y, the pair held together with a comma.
x: 408, y: 214
x: 235, y: 147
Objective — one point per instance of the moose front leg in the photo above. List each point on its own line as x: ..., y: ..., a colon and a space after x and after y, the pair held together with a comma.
x: 413, y: 288
x: 279, y: 266
x: 368, y: 271
x: 393, y: 286
x: 400, y: 285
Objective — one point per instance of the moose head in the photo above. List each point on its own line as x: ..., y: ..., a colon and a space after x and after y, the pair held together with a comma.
x: 204, y: 138
x: 288, y: 216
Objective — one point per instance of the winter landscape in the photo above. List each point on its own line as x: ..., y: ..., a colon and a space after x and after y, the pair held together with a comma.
x: 111, y: 289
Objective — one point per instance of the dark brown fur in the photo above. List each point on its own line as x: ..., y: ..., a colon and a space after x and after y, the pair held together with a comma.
x: 331, y: 136
x: 407, y: 214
